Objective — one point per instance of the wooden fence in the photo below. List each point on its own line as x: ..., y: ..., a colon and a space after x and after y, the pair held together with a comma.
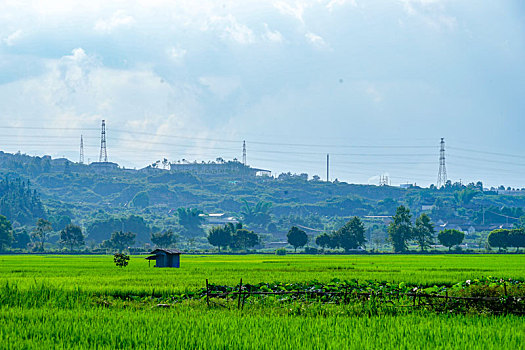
x: 505, y: 303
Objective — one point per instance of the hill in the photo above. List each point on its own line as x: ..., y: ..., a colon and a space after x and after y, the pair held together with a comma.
x: 147, y: 199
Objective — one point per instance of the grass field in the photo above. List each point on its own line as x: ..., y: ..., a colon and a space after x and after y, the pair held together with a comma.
x: 99, y: 274
x: 53, y: 302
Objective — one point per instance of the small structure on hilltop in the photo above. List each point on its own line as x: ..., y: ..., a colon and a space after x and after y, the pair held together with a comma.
x: 165, y: 257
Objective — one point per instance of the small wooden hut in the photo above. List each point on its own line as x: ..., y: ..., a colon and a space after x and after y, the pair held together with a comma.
x: 165, y: 257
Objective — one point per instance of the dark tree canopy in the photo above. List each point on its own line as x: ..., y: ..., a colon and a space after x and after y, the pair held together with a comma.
x: 72, y: 236
x: 100, y: 229
x: 120, y: 240
x: 351, y: 235
x: 6, y: 234
x: 21, y: 239
x: 244, y: 239
x: 141, y: 200
x: 400, y: 229
x: 499, y: 238
x: 504, y: 238
x: 324, y: 240
x: 164, y: 239
x: 258, y: 214
x: 121, y: 260
x: 423, y: 232
x: 41, y: 231
x: 191, y: 220
x: 220, y: 236
x: 450, y: 238
x: 297, y: 237
x: 517, y: 238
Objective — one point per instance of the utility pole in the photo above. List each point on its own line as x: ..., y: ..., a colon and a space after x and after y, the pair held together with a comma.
x: 327, y: 167
x: 103, y: 153
x: 81, y: 161
x: 442, y: 175
x: 244, y: 153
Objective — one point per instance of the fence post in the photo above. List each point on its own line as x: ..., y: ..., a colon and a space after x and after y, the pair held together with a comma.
x: 207, y: 294
x: 240, y: 293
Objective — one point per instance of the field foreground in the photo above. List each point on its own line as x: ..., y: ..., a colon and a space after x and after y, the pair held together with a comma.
x: 84, y: 302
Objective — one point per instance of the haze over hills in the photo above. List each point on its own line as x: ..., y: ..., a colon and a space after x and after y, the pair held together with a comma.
x: 103, y: 197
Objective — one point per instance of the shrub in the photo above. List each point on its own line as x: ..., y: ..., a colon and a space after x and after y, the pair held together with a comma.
x: 120, y: 259
x: 280, y: 251
x: 311, y: 250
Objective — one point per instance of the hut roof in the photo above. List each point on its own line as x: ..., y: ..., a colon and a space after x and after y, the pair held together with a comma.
x: 166, y: 251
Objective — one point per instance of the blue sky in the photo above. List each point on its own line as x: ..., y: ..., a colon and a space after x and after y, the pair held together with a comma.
x: 374, y: 83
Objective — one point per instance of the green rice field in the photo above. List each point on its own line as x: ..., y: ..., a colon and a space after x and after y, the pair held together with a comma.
x: 65, y: 302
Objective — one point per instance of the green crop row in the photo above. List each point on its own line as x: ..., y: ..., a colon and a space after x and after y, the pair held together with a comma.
x: 99, y: 274
x: 190, y: 328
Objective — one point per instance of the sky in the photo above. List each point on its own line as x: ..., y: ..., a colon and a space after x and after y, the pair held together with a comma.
x: 376, y: 84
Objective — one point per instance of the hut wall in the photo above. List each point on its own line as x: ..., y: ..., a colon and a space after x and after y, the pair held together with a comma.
x: 165, y: 260
x: 175, y: 261
x: 161, y: 260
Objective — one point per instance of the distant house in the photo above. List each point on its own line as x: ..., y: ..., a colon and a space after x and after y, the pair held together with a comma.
x: 103, y: 167
x: 231, y: 168
x: 165, y: 257
x: 218, y: 219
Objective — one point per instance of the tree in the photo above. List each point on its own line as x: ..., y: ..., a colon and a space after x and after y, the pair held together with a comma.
x: 400, y: 229
x: 499, y: 238
x: 296, y: 237
x: 6, y: 234
x: 220, y: 236
x: 450, y: 237
x: 120, y: 240
x: 20, y: 239
x: 141, y: 200
x: 517, y: 238
x: 72, y: 236
x: 258, y: 214
x: 43, y: 227
x: 423, y: 233
x: 121, y: 260
x: 351, y: 235
x: 323, y: 240
x: 465, y: 196
x: 190, y: 219
x: 163, y: 239
x: 244, y: 239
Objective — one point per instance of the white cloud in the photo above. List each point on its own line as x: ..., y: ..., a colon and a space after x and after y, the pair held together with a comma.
x: 315, y: 40
x: 222, y: 86
x: 13, y: 37
x: 77, y: 91
x: 296, y: 10
x: 431, y: 12
x: 176, y: 54
x: 273, y: 36
x: 230, y: 29
x: 333, y: 4
x: 119, y: 19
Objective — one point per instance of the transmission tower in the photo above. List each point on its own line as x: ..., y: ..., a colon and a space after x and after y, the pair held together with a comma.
x: 442, y: 175
x: 384, y: 180
x: 81, y: 150
x: 244, y: 153
x: 103, y: 153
